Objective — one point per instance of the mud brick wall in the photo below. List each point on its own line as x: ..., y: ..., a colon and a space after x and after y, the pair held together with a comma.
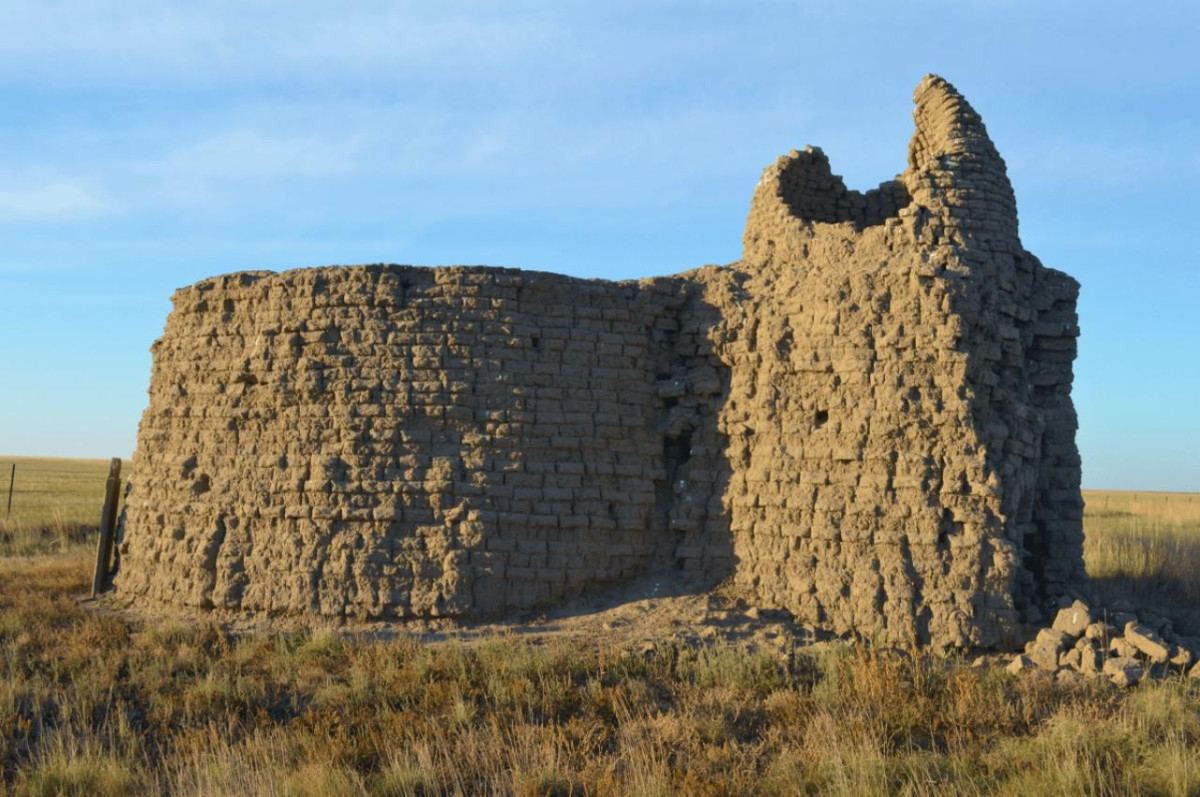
x: 909, y: 460
x: 399, y: 442
x: 865, y: 421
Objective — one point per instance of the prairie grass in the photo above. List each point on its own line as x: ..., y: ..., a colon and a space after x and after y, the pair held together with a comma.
x: 1144, y: 545
x: 56, y: 504
x: 95, y: 703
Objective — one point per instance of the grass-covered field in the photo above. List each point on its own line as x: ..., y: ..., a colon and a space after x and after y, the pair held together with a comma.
x: 94, y: 703
x: 1144, y: 544
x: 56, y: 503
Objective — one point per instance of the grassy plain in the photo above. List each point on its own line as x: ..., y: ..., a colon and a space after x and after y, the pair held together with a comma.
x: 93, y: 703
x: 56, y: 503
x: 1146, y: 545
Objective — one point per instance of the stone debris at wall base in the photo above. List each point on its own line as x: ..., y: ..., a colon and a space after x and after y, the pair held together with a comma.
x: 1127, y: 656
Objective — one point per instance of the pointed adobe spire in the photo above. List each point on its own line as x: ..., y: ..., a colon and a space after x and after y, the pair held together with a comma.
x: 954, y: 169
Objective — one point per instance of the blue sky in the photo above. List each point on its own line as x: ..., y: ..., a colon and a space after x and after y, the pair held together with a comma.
x: 147, y: 145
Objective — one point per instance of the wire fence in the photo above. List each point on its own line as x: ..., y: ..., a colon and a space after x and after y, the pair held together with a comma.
x: 51, y: 493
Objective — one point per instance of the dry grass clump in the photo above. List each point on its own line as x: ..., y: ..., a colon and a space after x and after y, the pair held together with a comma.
x: 94, y: 704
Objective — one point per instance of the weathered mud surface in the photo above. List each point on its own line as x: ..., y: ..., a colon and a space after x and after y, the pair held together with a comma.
x: 865, y: 422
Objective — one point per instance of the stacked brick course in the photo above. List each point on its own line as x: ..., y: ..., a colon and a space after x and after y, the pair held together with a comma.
x: 397, y: 442
x: 866, y: 421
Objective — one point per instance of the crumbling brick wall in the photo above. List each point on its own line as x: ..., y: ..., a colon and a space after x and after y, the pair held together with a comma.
x: 866, y: 421
x: 396, y: 442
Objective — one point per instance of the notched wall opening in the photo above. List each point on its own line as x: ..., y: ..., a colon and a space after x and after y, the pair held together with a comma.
x: 814, y: 193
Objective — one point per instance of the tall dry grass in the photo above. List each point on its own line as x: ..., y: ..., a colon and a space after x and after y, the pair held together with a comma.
x: 94, y: 704
x: 1145, y: 545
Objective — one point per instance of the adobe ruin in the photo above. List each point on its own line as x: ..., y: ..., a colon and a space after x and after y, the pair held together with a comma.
x: 866, y: 421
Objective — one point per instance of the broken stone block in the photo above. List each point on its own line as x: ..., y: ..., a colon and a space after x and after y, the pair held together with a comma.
x: 1020, y: 664
x: 1181, y: 657
x: 1074, y: 619
x: 1123, y: 670
x: 1072, y: 659
x: 1147, y: 642
x: 1047, y: 648
x: 1091, y: 657
x: 1121, y: 648
x: 1101, y: 631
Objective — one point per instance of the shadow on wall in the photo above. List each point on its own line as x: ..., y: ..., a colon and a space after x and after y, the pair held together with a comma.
x: 692, y: 387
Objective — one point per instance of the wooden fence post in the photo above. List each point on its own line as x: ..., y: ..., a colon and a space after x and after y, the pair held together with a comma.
x: 11, y: 480
x: 108, y: 523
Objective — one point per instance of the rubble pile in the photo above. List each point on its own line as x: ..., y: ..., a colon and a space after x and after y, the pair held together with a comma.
x: 1118, y: 643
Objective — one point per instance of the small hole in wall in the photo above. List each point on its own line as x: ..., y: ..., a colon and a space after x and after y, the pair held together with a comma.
x: 536, y: 342
x: 229, y: 305
x: 821, y: 418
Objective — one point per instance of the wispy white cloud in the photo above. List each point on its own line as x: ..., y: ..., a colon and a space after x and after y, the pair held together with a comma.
x: 257, y: 154
x: 51, y: 201
x: 151, y: 42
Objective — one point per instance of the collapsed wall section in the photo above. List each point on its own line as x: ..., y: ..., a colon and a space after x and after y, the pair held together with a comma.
x: 400, y: 442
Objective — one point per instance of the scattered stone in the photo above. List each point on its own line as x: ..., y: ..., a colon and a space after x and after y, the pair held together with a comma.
x: 1147, y: 642
x: 1048, y: 646
x: 1122, y: 648
x: 1074, y: 619
x: 1020, y: 664
x: 1080, y: 645
x: 1123, y: 671
x: 1091, y: 657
